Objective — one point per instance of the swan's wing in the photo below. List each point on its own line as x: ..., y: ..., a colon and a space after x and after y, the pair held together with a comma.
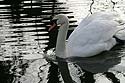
x: 92, y: 38
x: 96, y: 31
x: 105, y: 29
x: 98, y: 16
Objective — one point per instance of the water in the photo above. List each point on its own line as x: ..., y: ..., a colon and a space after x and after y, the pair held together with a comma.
x: 23, y: 62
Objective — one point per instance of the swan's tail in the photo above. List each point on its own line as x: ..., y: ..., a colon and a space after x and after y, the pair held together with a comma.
x: 120, y: 34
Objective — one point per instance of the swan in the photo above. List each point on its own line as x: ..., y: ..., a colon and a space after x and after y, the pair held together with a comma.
x: 92, y: 36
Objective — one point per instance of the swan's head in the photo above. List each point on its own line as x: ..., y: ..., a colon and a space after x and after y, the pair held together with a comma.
x: 58, y: 20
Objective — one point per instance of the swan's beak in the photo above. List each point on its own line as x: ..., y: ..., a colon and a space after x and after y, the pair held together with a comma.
x: 53, y: 25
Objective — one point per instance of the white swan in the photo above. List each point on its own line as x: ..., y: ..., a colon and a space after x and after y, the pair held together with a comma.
x: 92, y: 36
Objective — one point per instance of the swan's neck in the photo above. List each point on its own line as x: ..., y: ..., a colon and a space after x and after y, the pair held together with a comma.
x: 60, y: 45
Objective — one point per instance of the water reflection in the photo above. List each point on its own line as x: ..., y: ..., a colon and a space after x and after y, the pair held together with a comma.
x: 85, y: 69
x: 101, y: 62
x: 22, y: 27
x: 21, y: 35
x: 5, y: 76
x: 36, y: 72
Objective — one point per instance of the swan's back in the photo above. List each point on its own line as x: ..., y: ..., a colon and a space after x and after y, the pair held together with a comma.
x: 93, y: 35
x: 98, y: 16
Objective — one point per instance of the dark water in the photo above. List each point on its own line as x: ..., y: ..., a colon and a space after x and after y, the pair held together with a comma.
x: 24, y: 35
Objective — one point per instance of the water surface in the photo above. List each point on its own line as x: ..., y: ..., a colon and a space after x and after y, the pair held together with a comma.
x: 22, y: 57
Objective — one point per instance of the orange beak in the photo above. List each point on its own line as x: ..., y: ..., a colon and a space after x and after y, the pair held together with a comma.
x: 52, y: 26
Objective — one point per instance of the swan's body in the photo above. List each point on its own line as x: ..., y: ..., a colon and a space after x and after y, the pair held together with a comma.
x: 92, y: 36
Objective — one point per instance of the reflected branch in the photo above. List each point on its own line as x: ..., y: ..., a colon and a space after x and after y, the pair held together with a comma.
x: 91, y: 6
x: 112, y: 77
x: 114, y: 3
